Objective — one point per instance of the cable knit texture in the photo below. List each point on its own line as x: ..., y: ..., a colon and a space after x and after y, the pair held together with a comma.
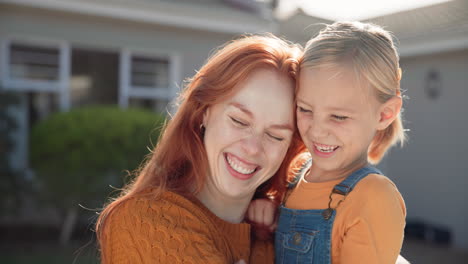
x: 174, y: 229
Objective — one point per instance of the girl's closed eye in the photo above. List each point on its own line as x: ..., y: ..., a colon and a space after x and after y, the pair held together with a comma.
x: 340, y: 118
x: 303, y: 110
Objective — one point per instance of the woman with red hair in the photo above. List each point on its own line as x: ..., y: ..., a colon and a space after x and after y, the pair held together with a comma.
x: 232, y: 139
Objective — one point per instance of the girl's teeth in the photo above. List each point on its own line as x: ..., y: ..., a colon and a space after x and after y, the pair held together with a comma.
x: 238, y: 168
x: 326, y: 149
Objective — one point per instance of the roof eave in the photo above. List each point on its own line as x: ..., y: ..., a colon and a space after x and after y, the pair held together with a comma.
x: 148, y: 16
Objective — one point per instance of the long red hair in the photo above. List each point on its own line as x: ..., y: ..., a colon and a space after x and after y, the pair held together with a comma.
x: 179, y: 163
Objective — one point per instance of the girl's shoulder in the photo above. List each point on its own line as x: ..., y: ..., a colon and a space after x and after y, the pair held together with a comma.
x: 378, y: 191
x: 376, y: 183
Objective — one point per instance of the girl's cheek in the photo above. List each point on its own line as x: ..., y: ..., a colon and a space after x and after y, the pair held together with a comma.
x: 302, y: 125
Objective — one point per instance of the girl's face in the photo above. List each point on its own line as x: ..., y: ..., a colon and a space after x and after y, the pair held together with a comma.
x: 337, y: 118
x: 247, y: 136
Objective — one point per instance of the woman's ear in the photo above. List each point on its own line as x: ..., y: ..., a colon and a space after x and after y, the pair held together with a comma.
x: 389, y: 112
x: 206, y: 116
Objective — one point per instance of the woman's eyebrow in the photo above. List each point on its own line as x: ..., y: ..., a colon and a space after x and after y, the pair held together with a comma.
x: 244, y: 109
x: 283, y: 127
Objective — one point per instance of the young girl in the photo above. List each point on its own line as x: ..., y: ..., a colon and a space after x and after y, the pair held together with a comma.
x: 341, y: 209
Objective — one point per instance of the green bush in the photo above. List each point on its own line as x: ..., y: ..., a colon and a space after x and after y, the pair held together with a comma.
x: 76, y: 155
x: 11, y: 184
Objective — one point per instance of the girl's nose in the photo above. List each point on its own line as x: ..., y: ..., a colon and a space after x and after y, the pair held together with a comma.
x: 319, y: 129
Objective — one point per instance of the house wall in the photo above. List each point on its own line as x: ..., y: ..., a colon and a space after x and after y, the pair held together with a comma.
x: 300, y: 28
x: 431, y: 171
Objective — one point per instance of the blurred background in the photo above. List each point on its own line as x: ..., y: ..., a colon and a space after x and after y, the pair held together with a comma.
x: 85, y: 85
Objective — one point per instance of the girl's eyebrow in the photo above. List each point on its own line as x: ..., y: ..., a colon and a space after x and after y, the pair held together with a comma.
x: 331, y: 108
x: 341, y: 109
x: 302, y: 102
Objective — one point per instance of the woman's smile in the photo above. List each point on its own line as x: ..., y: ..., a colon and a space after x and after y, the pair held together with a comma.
x: 239, y: 168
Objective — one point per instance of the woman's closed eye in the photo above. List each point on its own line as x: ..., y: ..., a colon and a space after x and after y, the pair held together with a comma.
x: 275, y: 137
x: 238, y: 122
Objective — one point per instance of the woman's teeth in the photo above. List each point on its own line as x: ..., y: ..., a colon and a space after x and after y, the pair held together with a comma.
x: 235, y: 165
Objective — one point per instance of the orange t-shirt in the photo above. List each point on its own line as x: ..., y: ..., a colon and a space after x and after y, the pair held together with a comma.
x: 173, y: 229
x: 369, y: 223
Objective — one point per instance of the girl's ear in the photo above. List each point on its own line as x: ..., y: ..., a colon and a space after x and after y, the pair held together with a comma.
x: 389, y: 112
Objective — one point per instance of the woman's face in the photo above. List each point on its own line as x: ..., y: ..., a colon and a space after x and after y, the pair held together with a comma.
x: 248, y: 135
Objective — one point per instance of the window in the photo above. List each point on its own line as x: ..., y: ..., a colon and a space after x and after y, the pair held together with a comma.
x: 150, y: 72
x: 36, y: 65
x: 147, y: 79
x: 94, y: 77
x: 32, y: 63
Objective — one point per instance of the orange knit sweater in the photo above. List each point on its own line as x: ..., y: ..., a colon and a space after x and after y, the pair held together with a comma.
x: 174, y: 229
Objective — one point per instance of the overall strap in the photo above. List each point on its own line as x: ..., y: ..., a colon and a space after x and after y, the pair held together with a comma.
x: 347, y: 185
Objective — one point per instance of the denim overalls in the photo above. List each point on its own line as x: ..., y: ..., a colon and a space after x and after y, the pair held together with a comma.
x: 304, y: 236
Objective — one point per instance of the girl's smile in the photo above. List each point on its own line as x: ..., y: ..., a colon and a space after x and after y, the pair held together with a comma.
x: 325, y: 151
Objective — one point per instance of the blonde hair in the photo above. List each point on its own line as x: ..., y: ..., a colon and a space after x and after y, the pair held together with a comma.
x: 370, y: 50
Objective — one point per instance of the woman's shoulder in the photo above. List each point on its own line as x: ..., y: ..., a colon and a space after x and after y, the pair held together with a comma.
x: 155, y: 228
x: 153, y: 208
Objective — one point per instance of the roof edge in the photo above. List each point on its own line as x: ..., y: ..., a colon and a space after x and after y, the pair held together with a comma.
x: 149, y: 16
x: 433, y: 47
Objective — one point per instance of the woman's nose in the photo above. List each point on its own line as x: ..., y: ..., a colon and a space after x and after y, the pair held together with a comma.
x: 252, y: 144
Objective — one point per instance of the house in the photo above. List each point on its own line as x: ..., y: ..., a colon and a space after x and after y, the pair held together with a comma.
x: 61, y: 54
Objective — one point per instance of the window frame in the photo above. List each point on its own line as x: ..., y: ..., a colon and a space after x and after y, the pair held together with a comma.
x: 59, y: 86
x: 35, y: 85
x: 128, y: 91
